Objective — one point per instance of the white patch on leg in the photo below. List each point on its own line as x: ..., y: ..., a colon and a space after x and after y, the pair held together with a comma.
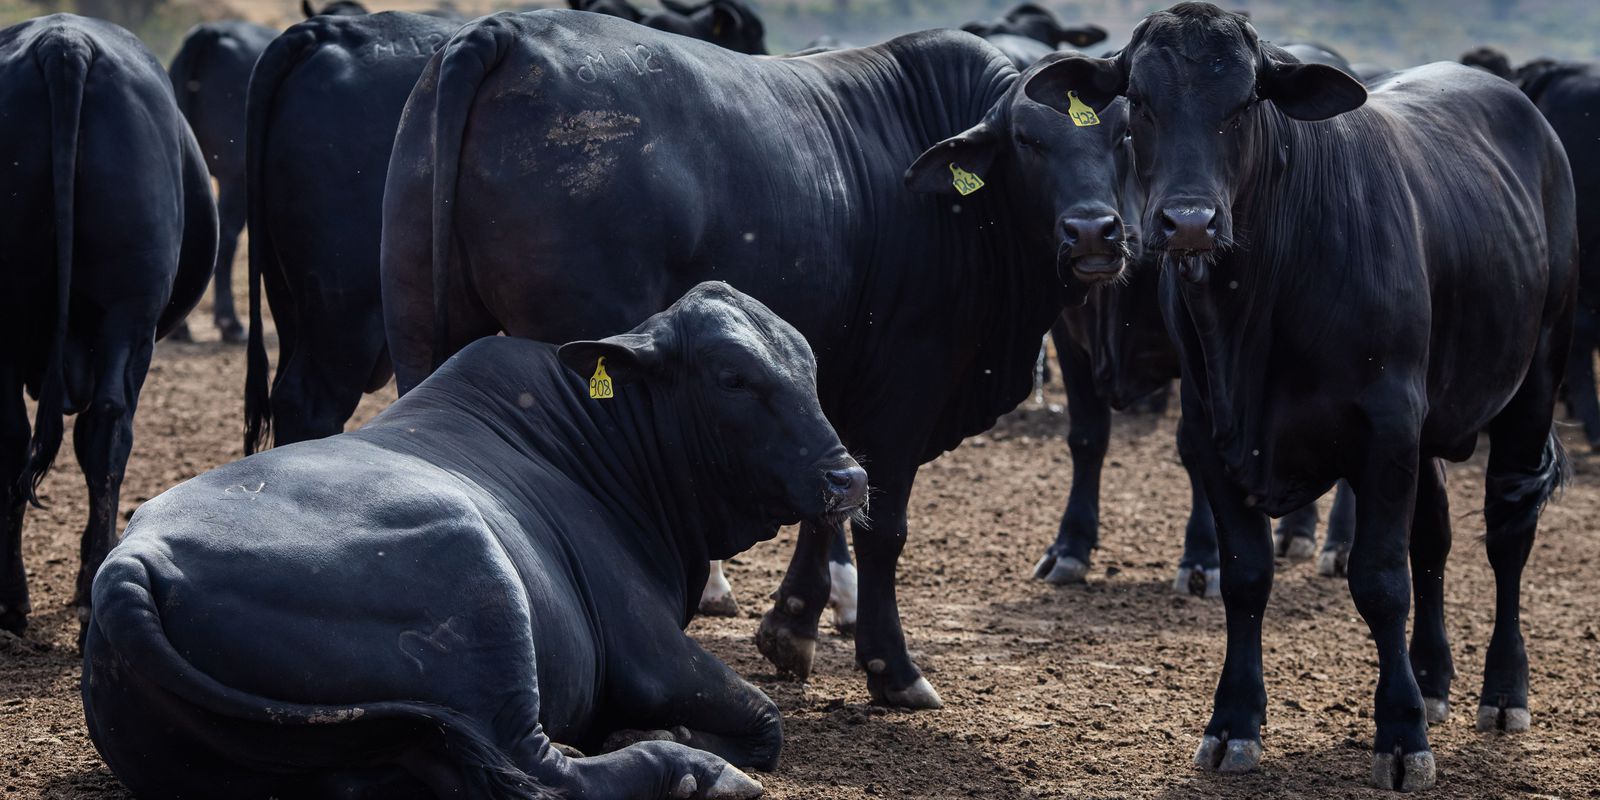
x: 717, y: 598
x: 842, y: 595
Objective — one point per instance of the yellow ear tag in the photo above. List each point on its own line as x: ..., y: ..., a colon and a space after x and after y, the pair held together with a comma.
x: 965, y: 182
x: 1082, y: 115
x: 600, y: 383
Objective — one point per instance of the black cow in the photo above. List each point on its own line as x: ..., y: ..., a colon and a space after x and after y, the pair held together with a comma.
x: 211, y: 77
x: 652, y: 160
x: 1031, y: 21
x: 109, y: 236
x: 550, y: 513
x: 1568, y: 94
x: 1355, y: 292
x: 324, y: 104
x: 730, y: 23
x: 337, y: 8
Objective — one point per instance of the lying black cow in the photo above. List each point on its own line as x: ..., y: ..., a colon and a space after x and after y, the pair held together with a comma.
x: 211, y: 77
x: 318, y: 142
x: 1404, y: 277
x: 652, y: 161
x: 108, y: 241
x: 550, y: 513
x: 1568, y: 94
x: 729, y: 23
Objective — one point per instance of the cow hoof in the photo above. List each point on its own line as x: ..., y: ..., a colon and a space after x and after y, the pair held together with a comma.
x: 919, y: 696
x: 1300, y: 548
x: 14, y: 617
x: 181, y: 333
x: 568, y: 750
x: 1509, y: 720
x: 1233, y: 757
x: 232, y: 331
x: 842, y: 597
x: 733, y: 784
x: 1333, y: 563
x: 724, y: 606
x: 1199, y: 581
x: 1061, y: 570
x: 790, y: 653
x: 1436, y: 709
x: 1412, y: 772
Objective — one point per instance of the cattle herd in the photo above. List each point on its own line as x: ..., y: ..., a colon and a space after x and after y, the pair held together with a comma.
x: 737, y: 290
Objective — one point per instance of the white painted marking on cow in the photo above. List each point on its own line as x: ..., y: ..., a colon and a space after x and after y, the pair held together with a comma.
x: 842, y: 595
x: 241, y: 488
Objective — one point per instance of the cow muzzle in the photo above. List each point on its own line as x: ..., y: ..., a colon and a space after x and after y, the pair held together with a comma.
x: 844, y: 493
x: 1189, y: 228
x: 1093, y: 246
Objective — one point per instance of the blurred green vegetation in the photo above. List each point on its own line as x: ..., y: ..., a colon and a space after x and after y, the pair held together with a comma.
x: 1395, y: 33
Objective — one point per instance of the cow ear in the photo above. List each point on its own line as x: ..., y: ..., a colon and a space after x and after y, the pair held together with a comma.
x: 1096, y: 81
x: 1309, y: 92
x: 950, y: 166
x: 1080, y: 35
x: 629, y: 356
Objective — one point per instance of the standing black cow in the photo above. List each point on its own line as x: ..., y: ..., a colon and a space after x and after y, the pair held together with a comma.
x: 1031, y: 21
x: 1568, y: 94
x: 1403, y: 276
x: 108, y: 242
x: 324, y: 104
x: 337, y: 8
x: 591, y: 207
x: 729, y: 23
x: 211, y: 77
x: 551, y: 530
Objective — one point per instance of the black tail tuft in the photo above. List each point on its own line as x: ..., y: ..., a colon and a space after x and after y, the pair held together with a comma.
x: 1514, y: 501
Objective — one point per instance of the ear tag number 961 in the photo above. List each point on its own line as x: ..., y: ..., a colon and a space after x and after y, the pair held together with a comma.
x: 600, y: 382
x: 965, y: 182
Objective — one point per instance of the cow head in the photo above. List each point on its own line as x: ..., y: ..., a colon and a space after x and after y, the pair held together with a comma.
x: 1040, y: 146
x: 741, y: 387
x: 338, y: 8
x: 729, y: 23
x: 1199, y: 85
x: 1037, y: 23
x: 621, y: 9
x: 1489, y: 60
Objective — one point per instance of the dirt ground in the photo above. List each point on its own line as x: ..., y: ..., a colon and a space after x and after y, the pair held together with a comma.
x: 1097, y: 691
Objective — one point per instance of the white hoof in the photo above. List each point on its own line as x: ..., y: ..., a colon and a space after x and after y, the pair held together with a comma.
x: 1510, y: 720
x: 1199, y: 582
x: 1300, y: 549
x: 919, y: 695
x: 1437, y: 710
x: 1333, y: 563
x: 733, y: 784
x: 842, y: 596
x: 1061, y: 571
x: 1410, y: 773
x: 717, y: 598
x: 1234, y: 757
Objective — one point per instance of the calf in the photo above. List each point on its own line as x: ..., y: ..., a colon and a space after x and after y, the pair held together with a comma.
x: 571, y: 216
x: 1357, y: 286
x: 550, y: 512
x: 109, y: 239
x: 211, y: 77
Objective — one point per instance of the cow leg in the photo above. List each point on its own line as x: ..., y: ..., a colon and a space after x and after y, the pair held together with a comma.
x: 1526, y: 464
x: 337, y: 346
x: 1430, y: 546
x: 102, y: 438
x: 1335, y: 556
x: 1088, y: 435
x: 14, y: 432
x: 1380, y: 584
x: 892, y: 679
x: 716, y: 599
x: 1232, y: 741
x: 231, y: 204
x: 1580, y: 386
x: 690, y: 696
x: 788, y: 632
x: 1296, y: 535
x: 1200, y: 568
x: 843, y: 584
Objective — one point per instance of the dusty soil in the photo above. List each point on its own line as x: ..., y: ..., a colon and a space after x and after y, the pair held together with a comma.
x: 1090, y: 691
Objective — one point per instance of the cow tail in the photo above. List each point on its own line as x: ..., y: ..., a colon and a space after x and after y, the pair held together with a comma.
x: 65, y: 65
x: 274, y: 65
x: 1514, y: 501
x: 127, y: 617
x: 463, y: 64
x: 187, y: 64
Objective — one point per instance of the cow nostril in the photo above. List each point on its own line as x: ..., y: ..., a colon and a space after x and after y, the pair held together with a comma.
x: 1190, y: 228
x: 1169, y: 226
x: 1110, y: 229
x: 848, y: 482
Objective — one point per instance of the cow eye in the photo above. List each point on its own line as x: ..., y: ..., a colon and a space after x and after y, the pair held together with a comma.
x: 730, y: 380
x: 1027, y: 142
